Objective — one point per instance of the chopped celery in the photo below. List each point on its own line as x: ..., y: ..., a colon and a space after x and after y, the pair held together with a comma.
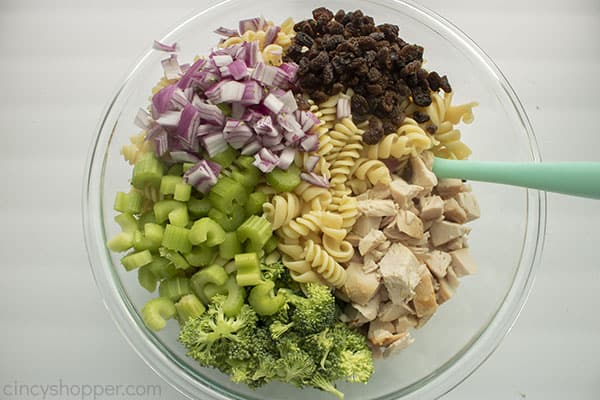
x: 225, y: 193
x: 147, y: 279
x: 230, y: 246
x: 186, y: 166
x: 140, y: 242
x: 147, y: 170
x: 122, y: 241
x: 198, y: 207
x: 210, y: 289
x: 146, y: 218
x: 225, y: 158
x: 156, y: 311
x: 248, y: 178
x: 162, y: 268
x: 127, y: 222
x: 177, y: 238
x: 271, y: 245
x: 189, y: 306
x: 168, y: 182
x: 254, y: 206
x: 201, y: 256
x: 162, y: 209
x: 176, y: 169
x: 263, y: 300
x: 206, y: 231
x: 256, y: 231
x: 235, y: 297
x: 128, y: 202
x: 177, y: 259
x: 154, y: 233
x: 229, y: 222
x: 183, y: 191
x: 213, y: 274
x: 284, y: 181
x: 174, y: 288
x: 179, y: 217
x: 136, y: 260
x: 248, y: 269
x: 230, y: 267
x: 245, y: 161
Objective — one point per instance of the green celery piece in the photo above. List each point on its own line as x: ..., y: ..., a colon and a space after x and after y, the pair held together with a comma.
x: 175, y: 169
x: 177, y: 238
x: 174, y: 288
x: 187, y: 166
x: 235, y: 297
x: 206, y: 231
x: 136, y: 260
x: 248, y: 178
x: 146, y: 218
x: 147, y: 279
x: 168, y: 183
x: 156, y: 311
x: 179, y: 217
x: 248, y: 269
x: 254, y: 206
x: 256, y: 231
x: 128, y: 202
x: 122, y: 241
x: 213, y: 274
x: 140, y: 242
x: 198, y: 207
x: 227, y: 192
x: 183, y: 192
x: 127, y: 222
x: 201, y: 256
x: 230, y: 246
x: 284, y: 181
x: 189, y: 306
x: 162, y: 268
x: 147, y: 170
x: 226, y: 157
x: 174, y: 257
x: 245, y: 161
x: 162, y: 209
x: 263, y: 301
x: 271, y: 245
x: 210, y: 290
x: 154, y: 233
x: 229, y: 222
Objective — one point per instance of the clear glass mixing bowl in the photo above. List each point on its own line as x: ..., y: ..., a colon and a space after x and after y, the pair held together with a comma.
x: 506, y: 242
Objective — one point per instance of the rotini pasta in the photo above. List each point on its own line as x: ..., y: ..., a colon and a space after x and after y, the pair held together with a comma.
x: 283, y: 38
x: 282, y: 209
x: 373, y: 170
x: 138, y: 146
x: 302, y: 226
x: 409, y: 139
x: 317, y: 197
x: 329, y: 269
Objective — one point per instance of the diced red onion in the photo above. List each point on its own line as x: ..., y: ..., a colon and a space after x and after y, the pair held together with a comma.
x: 206, y: 79
x: 251, y: 53
x: 314, y: 179
x: 306, y: 119
x: 290, y: 68
x: 251, y: 148
x: 171, y: 67
x: 154, y: 131
x: 188, y: 124
x: 310, y: 163
x: 211, y: 113
x: 286, y: 158
x: 225, y: 91
x: 203, y: 175
x: 265, y: 160
x: 186, y: 79
x: 237, y: 133
x: 237, y: 110
x: 270, y: 141
x: 267, y: 74
x: 264, y: 126
x: 273, y: 103
x: 278, y: 148
x: 161, y: 143
x: 170, y: 48
x: 169, y: 119
x: 214, y: 143
x: 343, y: 107
x: 252, y: 93
x: 143, y: 119
x: 222, y: 60
x: 179, y: 99
x: 289, y: 102
x: 310, y: 143
x: 161, y: 100
x: 252, y: 24
x: 226, y: 32
x: 293, y: 130
x: 237, y: 70
x: 183, y: 156
x: 207, y: 129
x: 271, y: 34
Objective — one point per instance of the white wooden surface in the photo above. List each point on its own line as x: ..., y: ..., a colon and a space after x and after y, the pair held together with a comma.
x: 60, y: 62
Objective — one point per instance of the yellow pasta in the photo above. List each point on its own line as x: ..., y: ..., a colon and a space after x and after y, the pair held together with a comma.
x: 348, y: 210
x: 324, y: 265
x: 301, y: 227
x: 138, y: 146
x: 409, y: 139
x: 282, y: 209
x: 273, y: 55
x: 373, y: 170
x: 283, y: 38
x: 317, y: 197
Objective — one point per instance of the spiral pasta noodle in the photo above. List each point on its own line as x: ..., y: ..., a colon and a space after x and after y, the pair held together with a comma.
x: 324, y: 265
x: 282, y: 209
x: 302, y: 226
x: 373, y: 170
x: 348, y: 209
x: 318, y: 198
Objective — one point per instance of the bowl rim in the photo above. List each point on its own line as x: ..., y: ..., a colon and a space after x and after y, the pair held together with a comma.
x: 448, y: 376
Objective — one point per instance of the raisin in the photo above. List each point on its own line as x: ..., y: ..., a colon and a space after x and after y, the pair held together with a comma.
x: 319, y: 62
x: 359, y: 104
x: 383, y: 57
x: 420, y: 117
x: 370, y: 56
x: 422, y: 75
x: 322, y: 12
x: 389, y: 126
x: 304, y: 39
x: 377, y: 36
x: 338, y: 65
x: 374, y: 75
x: 389, y: 101
x: 339, y: 16
x: 376, y: 124
x: 306, y: 27
x: 445, y: 85
x: 328, y: 74
x: 310, y: 81
x: 434, y: 80
x: 367, y: 43
x: 320, y: 96
x: 412, y: 67
x: 303, y: 66
x: 421, y: 96
x: 410, y: 53
x: 334, y: 27
x: 359, y: 66
x: 302, y: 102
x: 358, y: 118
x: 337, y: 88
x: 390, y: 31
x: 375, y: 89
x: 371, y: 137
x: 431, y: 128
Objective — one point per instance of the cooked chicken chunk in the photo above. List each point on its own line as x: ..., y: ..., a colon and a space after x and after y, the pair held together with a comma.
x: 424, y: 301
x: 379, y: 192
x: 454, y: 212
x: 382, y: 333
x: 403, y: 341
x: 463, y: 263
x: 449, y: 187
x: 421, y: 175
x: 400, y: 273
x: 370, y: 241
x: 444, y: 231
x: 365, y: 224
x: 377, y: 208
x: 437, y: 262
x: 405, y: 322
x: 390, y: 311
x: 432, y: 207
x: 469, y: 203
x: 360, y: 287
x: 403, y: 193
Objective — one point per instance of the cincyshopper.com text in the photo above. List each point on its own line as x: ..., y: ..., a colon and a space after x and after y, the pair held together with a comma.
x: 65, y: 391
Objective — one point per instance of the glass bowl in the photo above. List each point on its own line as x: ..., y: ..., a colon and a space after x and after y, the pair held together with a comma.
x: 506, y: 241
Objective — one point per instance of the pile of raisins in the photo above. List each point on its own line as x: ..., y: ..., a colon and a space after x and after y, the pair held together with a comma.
x: 347, y: 50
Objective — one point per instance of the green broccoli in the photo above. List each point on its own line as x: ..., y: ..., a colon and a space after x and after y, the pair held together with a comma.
x: 312, y: 313
x: 322, y: 383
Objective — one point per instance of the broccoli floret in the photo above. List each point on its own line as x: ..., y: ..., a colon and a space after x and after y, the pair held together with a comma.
x: 272, y: 272
x: 322, y: 383
x: 315, y: 312
x: 356, y: 366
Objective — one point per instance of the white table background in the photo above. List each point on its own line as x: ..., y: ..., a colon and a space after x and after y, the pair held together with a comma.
x: 60, y: 62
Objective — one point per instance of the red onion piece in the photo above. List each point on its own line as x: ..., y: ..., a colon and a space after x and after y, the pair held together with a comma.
x: 211, y: 113
x: 225, y: 91
x: 237, y: 133
x: 188, y: 124
x: 271, y: 34
x: 286, y: 158
x: 251, y: 148
x: 222, y: 60
x: 186, y: 79
x: 183, y: 156
x: 310, y: 163
x: 226, y: 32
x: 237, y: 70
x: 171, y: 67
x: 273, y: 103
x: 343, y: 107
x: 314, y: 179
x: 310, y: 143
x: 169, y: 48
x: 161, y: 101
x: 143, y: 119
x: 203, y: 175
x: 265, y: 160
x: 252, y: 93
x: 214, y: 143
x: 161, y: 143
x: 289, y: 102
x: 169, y: 119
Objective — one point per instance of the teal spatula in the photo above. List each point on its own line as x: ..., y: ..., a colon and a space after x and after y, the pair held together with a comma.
x: 574, y: 178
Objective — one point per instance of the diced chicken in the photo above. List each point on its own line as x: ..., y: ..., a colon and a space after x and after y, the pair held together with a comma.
x: 370, y: 241
x: 454, y: 212
x: 445, y: 291
x: 449, y: 187
x: 408, y: 223
x: 403, y: 341
x: 403, y: 193
x: 353, y: 238
x: 452, y: 278
x: 360, y: 287
x: 444, y: 231
x: 422, y: 176
x: 428, y: 159
x: 369, y: 310
x: 370, y: 264
x: 353, y: 317
x: 390, y: 311
x: 422, y: 321
x: 400, y: 272
x: 455, y: 244
x: 365, y: 224
x: 379, y: 192
x: 424, y: 301
x: 463, y: 263
x: 437, y: 262
x: 383, y: 294
x: 405, y: 322
x: 382, y: 333
x: 469, y: 203
x: 377, y: 208
x: 432, y: 207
